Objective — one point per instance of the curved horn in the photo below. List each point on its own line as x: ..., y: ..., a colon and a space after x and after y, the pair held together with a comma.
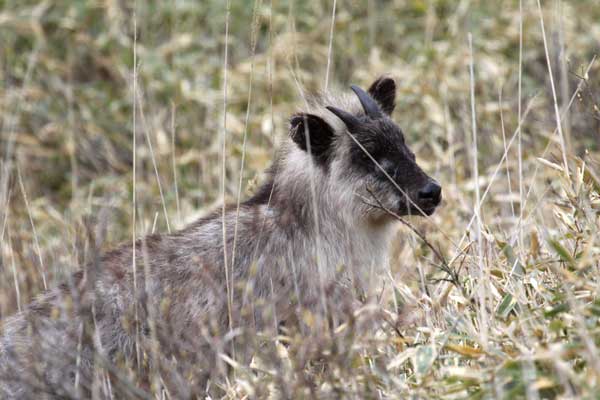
x: 350, y: 120
x: 369, y: 105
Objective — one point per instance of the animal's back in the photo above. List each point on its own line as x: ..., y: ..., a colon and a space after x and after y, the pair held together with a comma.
x: 176, y: 298
x: 38, y: 347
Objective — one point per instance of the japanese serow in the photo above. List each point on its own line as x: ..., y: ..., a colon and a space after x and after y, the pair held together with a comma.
x: 313, y: 236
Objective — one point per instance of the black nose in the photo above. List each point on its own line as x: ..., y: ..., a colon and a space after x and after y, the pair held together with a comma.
x: 431, y: 192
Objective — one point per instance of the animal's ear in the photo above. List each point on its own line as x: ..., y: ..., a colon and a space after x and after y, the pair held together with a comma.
x: 310, y: 131
x: 384, y: 91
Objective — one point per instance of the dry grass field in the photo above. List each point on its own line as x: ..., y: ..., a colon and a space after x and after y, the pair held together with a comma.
x: 498, y: 296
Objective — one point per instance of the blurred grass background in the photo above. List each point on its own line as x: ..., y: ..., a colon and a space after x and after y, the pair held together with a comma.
x: 67, y: 106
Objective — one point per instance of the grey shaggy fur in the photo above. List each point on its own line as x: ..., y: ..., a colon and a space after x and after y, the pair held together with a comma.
x: 306, y: 241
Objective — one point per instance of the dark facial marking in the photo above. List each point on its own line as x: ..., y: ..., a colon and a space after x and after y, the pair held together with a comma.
x: 381, y: 153
x: 384, y: 141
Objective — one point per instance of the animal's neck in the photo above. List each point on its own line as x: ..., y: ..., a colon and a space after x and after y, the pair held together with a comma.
x: 304, y: 197
x: 315, y: 219
x: 305, y: 201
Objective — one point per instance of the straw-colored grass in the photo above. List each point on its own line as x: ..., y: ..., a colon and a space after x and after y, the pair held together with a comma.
x: 514, y: 309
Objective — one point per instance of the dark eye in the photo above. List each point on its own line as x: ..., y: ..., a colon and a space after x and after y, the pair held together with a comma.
x: 372, y: 153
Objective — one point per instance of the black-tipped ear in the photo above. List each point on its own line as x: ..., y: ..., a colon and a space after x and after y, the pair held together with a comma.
x: 318, y: 132
x: 384, y: 91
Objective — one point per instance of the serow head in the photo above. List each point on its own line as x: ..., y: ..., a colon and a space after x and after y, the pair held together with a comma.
x: 369, y: 168
x: 379, y: 157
